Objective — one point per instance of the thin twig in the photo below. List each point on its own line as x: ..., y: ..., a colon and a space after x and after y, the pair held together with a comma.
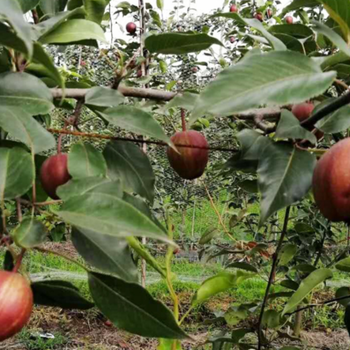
x: 19, y: 210
x: 272, y: 276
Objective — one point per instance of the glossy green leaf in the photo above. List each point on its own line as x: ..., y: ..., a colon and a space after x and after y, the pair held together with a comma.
x: 296, y: 30
x: 336, y: 39
x: 343, y: 292
x: 178, y: 44
x: 51, y: 7
x: 281, y: 181
x: 306, y: 286
x: 339, y: 11
x: 11, y: 40
x: 336, y: 122
x: 250, y: 186
x: 107, y: 214
x: 9, y: 263
x: 59, y: 294
x: 243, y: 266
x: 103, y: 97
x: 218, y: 284
x: 29, y: 233
x: 297, y: 4
x: 16, y: 172
x: 25, y: 91
x: 78, y: 187
x: 287, y: 253
x: 21, y: 125
x: 289, y: 128
x: 343, y: 265
x: 234, y: 316
x: 95, y: 10
x: 106, y: 253
x: 185, y: 100
x: 271, y: 319
x: 40, y: 56
x: 285, y: 77
x: 160, y: 4
x: 129, y: 164
x: 86, y: 161
x: 306, y: 268
x: 135, y: 120
x: 290, y: 284
x: 131, y: 308
x: 11, y: 12
x: 28, y: 5
x: 72, y: 31
x: 208, y: 235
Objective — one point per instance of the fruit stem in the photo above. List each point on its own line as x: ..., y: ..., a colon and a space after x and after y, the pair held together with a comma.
x: 59, y: 143
x: 183, y: 119
x: 19, y: 260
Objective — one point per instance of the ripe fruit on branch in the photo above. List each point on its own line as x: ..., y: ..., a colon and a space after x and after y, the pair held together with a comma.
x: 16, y: 303
x: 259, y: 17
x: 303, y: 111
x: 131, y: 28
x: 54, y: 173
x: 234, y: 8
x: 269, y: 13
x: 194, y: 69
x: 331, y: 185
x: 189, y: 163
x: 289, y: 20
x: 232, y: 39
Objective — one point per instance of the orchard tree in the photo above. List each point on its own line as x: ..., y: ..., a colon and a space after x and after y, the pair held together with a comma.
x: 285, y: 81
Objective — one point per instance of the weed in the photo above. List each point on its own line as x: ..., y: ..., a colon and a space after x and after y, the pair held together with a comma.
x: 33, y: 342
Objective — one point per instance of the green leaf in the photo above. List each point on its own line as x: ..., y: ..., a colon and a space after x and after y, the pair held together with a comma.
x: 107, y: 214
x: 287, y: 253
x: 25, y: 91
x: 343, y: 265
x: 218, y: 284
x: 306, y: 286
x: 297, y: 4
x: 28, y: 5
x: 11, y: 12
x: 234, y: 316
x: 78, y: 187
x: 40, y: 56
x: 29, y: 233
x: 59, y: 294
x: 106, y: 253
x: 336, y: 122
x: 243, y: 266
x: 342, y: 292
x: 271, y: 319
x: 103, y: 97
x: 11, y: 40
x: 160, y: 4
x: 295, y: 30
x: 339, y: 11
x: 72, y: 31
x: 51, y: 7
x: 95, y: 10
x: 131, y: 308
x: 250, y: 186
x: 336, y: 39
x: 135, y: 120
x: 16, y: 172
x: 284, y: 77
x: 85, y: 161
x: 208, y: 235
x: 185, y: 100
x: 24, y: 127
x: 290, y: 284
x: 178, y: 44
x: 126, y: 162
x: 306, y: 268
x: 284, y: 176
x: 289, y: 128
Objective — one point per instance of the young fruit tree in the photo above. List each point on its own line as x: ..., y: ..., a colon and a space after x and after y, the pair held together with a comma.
x: 274, y: 79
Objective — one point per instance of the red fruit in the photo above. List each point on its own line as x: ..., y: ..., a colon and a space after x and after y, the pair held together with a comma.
x: 259, y: 17
x: 289, y: 20
x: 232, y: 39
x: 176, y: 251
x: 331, y: 185
x: 303, y: 110
x: 139, y: 73
x: 234, y: 8
x: 83, y: 63
x: 191, y: 162
x: 195, y: 69
x: 16, y: 303
x: 269, y: 13
x: 131, y: 28
x: 108, y: 323
x: 54, y: 173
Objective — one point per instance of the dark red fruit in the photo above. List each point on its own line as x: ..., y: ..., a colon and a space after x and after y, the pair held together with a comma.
x: 131, y: 28
x: 234, y: 8
x: 232, y: 39
x: 83, y: 63
x: 195, y: 69
x: 139, y: 73
x: 331, y: 185
x: 16, y: 303
x: 54, y: 173
x: 176, y: 251
x: 259, y: 17
x: 191, y: 162
x: 289, y: 20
